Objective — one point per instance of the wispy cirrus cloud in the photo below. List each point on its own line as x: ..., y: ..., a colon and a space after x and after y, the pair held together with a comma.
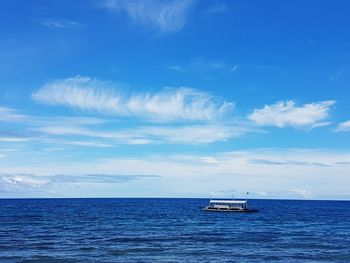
x: 14, y: 139
x: 86, y: 142
x: 166, y: 16
x: 177, y: 68
x: 15, y: 116
x: 169, y: 104
x: 107, y: 132
x: 289, y: 163
x: 62, y: 24
x: 288, y: 114
x: 29, y: 123
x: 14, y: 136
x: 9, y: 114
x: 188, y: 134
x: 217, y: 7
x: 343, y: 126
x: 204, y: 65
x: 234, y: 69
x: 337, y: 74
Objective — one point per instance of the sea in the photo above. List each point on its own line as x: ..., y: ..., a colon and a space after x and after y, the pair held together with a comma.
x: 171, y: 230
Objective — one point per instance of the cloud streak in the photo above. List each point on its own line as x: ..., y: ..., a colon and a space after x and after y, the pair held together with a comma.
x: 217, y: 7
x: 288, y: 114
x: 343, y: 127
x: 11, y: 115
x: 62, y: 24
x: 107, y: 132
x: 14, y: 116
x: 165, y: 16
x: 190, y: 134
x: 289, y: 163
x: 170, y: 104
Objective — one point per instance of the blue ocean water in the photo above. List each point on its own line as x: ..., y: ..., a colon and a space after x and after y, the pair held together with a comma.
x: 172, y: 230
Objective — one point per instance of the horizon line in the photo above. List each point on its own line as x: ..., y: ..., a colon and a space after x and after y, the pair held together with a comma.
x: 272, y: 199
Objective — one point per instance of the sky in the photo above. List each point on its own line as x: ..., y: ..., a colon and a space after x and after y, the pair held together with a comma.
x: 187, y: 98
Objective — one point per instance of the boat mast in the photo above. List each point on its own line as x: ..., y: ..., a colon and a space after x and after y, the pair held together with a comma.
x: 246, y: 199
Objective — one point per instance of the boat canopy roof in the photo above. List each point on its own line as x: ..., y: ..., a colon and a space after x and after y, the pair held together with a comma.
x: 229, y: 201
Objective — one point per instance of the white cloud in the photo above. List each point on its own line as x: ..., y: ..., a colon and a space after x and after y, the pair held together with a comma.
x: 178, y: 69
x: 303, y: 193
x: 103, y: 133
x: 190, y: 134
x: 217, y: 7
x: 169, y: 104
x: 166, y: 16
x: 284, y: 114
x: 14, y: 139
x: 14, y: 116
x: 90, y: 144
x: 15, y: 183
x: 10, y: 150
x: 68, y: 24
x: 195, y: 134
x: 336, y: 74
x: 8, y: 114
x: 234, y: 68
x: 343, y: 127
x: 261, y: 193
x: 204, y: 66
x: 73, y: 142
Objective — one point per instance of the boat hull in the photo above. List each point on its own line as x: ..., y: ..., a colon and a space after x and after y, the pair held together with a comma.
x: 244, y: 210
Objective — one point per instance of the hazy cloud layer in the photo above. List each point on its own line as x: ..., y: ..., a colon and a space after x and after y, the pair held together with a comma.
x: 13, y: 183
x: 284, y: 174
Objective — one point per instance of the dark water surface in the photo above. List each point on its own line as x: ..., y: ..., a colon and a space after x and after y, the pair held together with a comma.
x: 172, y: 230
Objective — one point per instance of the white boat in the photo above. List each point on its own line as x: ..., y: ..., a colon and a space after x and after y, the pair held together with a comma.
x: 229, y: 206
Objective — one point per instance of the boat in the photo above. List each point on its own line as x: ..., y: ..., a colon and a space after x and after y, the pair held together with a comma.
x: 229, y: 206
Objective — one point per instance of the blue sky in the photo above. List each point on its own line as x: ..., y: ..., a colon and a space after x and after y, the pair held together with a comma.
x: 183, y: 98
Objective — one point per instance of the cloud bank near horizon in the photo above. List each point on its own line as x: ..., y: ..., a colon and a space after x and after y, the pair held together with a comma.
x: 275, y: 172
